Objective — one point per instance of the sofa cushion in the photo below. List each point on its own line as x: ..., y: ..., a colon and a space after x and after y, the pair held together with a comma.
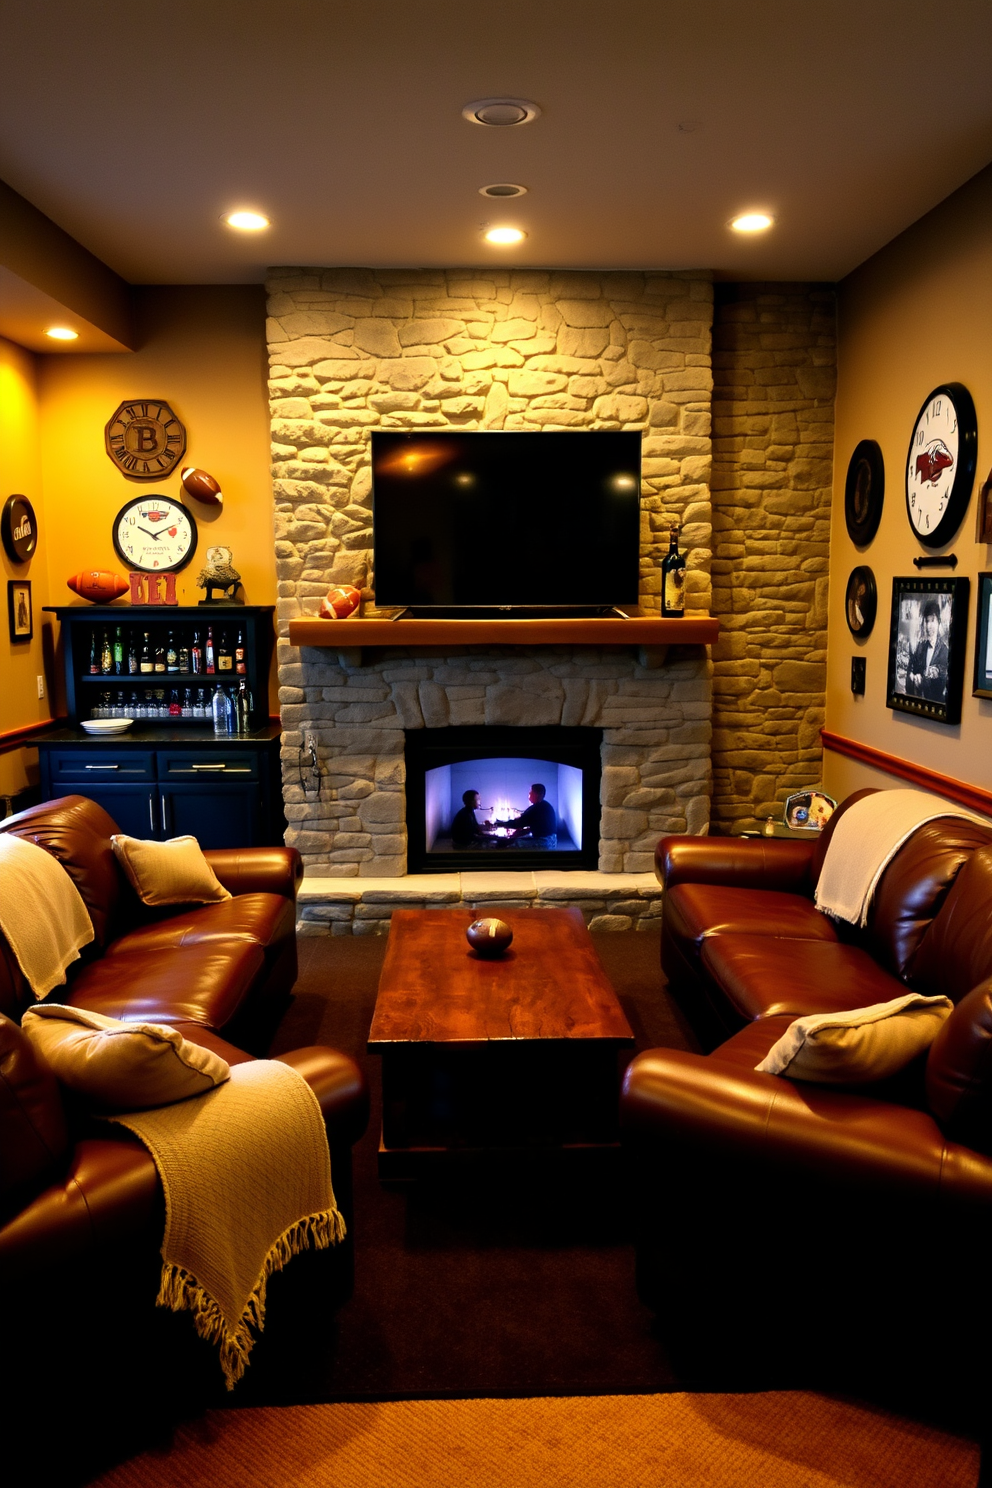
x: 33, y: 1132
x: 122, y: 1066
x: 955, y: 954
x: 760, y: 976
x: 197, y: 984
x: 171, y: 872
x: 77, y: 832
x: 693, y: 911
x: 264, y: 919
x: 858, y: 1046
x: 959, y: 1071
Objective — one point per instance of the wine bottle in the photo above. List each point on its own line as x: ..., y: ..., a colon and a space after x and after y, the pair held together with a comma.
x: 673, y: 578
x: 146, y: 663
x: 106, y: 656
x: 171, y: 655
x: 159, y: 655
x: 239, y: 655
x: 94, y: 658
x: 225, y: 658
x: 118, y: 652
x: 209, y: 653
x: 184, y: 658
x: 196, y: 655
x: 132, y: 655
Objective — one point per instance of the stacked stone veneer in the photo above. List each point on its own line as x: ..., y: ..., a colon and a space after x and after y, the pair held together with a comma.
x: 352, y: 350
x: 774, y: 364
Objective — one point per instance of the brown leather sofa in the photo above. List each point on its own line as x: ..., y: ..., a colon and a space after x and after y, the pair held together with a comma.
x: 763, y: 1193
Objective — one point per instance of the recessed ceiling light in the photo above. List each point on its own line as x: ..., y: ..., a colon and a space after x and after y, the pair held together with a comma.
x: 246, y: 221
x: 500, y: 113
x: 62, y: 333
x: 752, y: 222
x: 504, y: 236
x: 503, y: 188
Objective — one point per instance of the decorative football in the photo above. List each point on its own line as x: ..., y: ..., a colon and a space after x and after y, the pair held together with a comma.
x: 340, y: 602
x: 489, y: 938
x: 201, y: 486
x: 98, y: 585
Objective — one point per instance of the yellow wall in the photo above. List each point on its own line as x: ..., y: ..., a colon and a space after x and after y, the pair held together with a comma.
x: 20, y: 473
x: 202, y: 349
x: 919, y: 313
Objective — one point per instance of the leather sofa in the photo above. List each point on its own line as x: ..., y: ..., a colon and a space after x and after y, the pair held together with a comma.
x: 765, y: 1189
x: 76, y: 1193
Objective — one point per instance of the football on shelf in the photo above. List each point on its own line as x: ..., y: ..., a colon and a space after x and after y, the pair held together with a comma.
x: 201, y: 486
x: 489, y: 938
x: 340, y: 602
x: 98, y: 585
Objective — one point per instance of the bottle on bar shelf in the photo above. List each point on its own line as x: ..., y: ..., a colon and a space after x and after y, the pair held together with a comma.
x: 209, y: 652
x: 673, y: 578
x: 159, y: 655
x: 106, y: 656
x: 183, y: 658
x: 221, y: 709
x: 225, y: 657
x: 146, y: 663
x: 94, y: 657
x: 118, y: 653
x: 171, y: 654
x: 196, y: 655
x: 239, y: 655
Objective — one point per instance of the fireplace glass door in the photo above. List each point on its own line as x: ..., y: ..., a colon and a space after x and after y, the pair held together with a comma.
x: 493, y: 799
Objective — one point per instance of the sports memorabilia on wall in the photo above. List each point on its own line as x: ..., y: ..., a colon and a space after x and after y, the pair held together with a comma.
x: 154, y: 534
x: 19, y: 529
x: 864, y: 492
x: 20, y: 616
x: 145, y: 439
x: 201, y: 486
x: 926, y: 647
x: 861, y: 602
x: 940, y: 465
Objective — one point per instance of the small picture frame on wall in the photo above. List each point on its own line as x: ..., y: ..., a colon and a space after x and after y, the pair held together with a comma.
x: 20, y: 615
x: 983, y: 639
x: 926, y: 647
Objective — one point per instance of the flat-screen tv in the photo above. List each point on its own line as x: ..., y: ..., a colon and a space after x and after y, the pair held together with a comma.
x: 506, y: 520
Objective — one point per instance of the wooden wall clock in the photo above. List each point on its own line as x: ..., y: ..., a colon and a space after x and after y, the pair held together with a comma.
x: 145, y: 439
x: 154, y: 534
x: 940, y: 465
x: 19, y: 529
x: 864, y: 492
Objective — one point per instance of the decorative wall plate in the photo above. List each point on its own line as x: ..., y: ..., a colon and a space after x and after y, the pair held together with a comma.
x: 19, y: 529
x: 154, y: 534
x: 940, y: 465
x: 145, y: 439
x: 864, y: 492
x: 861, y: 602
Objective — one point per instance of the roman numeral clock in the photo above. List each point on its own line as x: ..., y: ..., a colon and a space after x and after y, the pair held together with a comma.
x: 940, y: 466
x: 144, y: 439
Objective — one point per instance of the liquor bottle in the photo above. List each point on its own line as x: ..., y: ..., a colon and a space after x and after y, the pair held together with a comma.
x: 209, y: 651
x: 171, y: 655
x: 159, y: 655
x: 132, y: 656
x: 106, y: 656
x: 94, y: 658
x: 225, y: 657
x: 184, y: 658
x: 175, y: 706
x: 196, y: 655
x: 146, y: 663
x: 242, y: 708
x: 239, y: 655
x: 118, y: 652
x: 673, y: 578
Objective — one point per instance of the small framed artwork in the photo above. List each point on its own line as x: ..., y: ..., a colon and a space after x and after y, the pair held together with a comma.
x: 926, y: 647
x: 19, y: 613
x: 983, y: 639
x: 861, y: 602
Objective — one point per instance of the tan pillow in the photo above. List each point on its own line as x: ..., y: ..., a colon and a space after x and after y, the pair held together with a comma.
x: 855, y: 1047
x: 123, y: 1066
x: 173, y: 872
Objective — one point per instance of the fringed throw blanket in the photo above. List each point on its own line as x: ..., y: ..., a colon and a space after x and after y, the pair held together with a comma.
x: 42, y: 913
x: 247, y: 1180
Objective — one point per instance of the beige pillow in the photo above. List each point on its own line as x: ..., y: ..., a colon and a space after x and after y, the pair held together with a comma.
x: 124, y: 1066
x: 173, y: 872
x: 855, y: 1047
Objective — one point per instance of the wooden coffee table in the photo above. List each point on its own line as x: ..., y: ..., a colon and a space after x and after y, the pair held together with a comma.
x: 519, y: 1053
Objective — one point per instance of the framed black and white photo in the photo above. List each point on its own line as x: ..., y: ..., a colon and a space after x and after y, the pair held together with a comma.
x: 926, y: 647
x: 983, y: 639
x: 19, y: 613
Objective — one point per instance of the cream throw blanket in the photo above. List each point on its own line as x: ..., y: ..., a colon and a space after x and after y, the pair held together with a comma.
x: 42, y: 913
x: 247, y: 1180
x: 865, y: 840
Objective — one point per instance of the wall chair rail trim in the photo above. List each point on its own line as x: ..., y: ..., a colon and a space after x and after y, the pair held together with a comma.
x: 958, y: 791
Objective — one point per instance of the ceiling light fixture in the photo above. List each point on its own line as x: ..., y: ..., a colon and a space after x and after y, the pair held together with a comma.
x: 504, y: 236
x: 246, y: 221
x: 62, y: 333
x: 500, y: 113
x: 503, y: 189
x: 752, y: 222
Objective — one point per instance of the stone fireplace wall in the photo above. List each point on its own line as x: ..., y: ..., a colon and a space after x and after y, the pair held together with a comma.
x: 355, y: 349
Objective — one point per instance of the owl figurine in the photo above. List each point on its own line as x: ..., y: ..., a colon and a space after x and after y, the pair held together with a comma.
x: 220, y: 573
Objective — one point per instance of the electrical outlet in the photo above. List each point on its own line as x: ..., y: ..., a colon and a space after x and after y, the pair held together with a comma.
x: 859, y: 666
x: 41, y: 687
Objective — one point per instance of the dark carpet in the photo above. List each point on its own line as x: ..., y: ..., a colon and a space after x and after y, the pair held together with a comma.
x: 507, y: 1283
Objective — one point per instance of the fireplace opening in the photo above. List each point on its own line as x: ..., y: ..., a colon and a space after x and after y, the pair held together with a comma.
x: 497, y: 799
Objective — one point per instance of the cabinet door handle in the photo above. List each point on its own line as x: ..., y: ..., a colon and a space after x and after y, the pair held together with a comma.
x: 208, y: 767
x: 151, y: 810
x: 165, y: 823
x: 102, y: 767
x: 225, y: 769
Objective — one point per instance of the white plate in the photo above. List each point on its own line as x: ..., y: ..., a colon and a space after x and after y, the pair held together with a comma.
x: 107, y: 725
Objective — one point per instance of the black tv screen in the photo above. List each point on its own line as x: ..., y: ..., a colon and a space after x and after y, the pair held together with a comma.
x: 521, y: 519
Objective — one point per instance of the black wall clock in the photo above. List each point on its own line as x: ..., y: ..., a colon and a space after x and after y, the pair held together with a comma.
x: 154, y: 534
x: 940, y: 466
x: 864, y: 492
x: 19, y: 528
x: 861, y: 602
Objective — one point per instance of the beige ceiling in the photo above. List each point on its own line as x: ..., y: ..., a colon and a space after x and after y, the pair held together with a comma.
x: 135, y: 123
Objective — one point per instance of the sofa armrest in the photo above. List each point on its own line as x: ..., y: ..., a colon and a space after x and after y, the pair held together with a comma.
x: 672, y: 1098
x: 258, y: 870
x: 340, y: 1088
x: 737, y: 862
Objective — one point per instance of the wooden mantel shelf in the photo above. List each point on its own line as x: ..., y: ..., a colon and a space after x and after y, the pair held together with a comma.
x: 640, y: 629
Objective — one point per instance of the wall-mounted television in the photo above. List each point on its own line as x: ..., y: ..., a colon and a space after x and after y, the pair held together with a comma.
x: 514, y: 520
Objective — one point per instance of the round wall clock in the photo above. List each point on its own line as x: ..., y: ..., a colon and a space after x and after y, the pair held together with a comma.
x: 940, y: 466
x: 861, y: 602
x: 864, y: 492
x: 144, y: 439
x: 19, y: 528
x: 154, y: 534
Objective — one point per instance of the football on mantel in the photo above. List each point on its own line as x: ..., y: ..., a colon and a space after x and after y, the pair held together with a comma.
x: 340, y: 601
x: 98, y: 585
x: 201, y: 486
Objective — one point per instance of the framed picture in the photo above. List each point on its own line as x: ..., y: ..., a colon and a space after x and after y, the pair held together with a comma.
x: 926, y: 647
x: 861, y: 602
x: 19, y: 612
x: 983, y: 639
x: 810, y: 809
